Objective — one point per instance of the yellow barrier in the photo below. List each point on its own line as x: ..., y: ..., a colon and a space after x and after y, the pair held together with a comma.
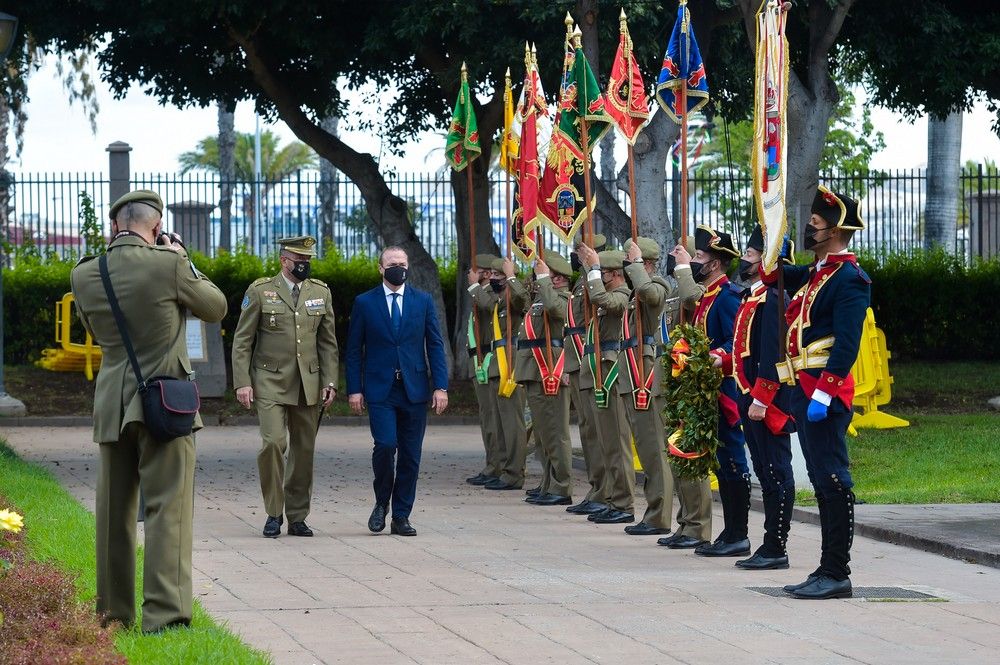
x: 70, y: 356
x: 872, y: 381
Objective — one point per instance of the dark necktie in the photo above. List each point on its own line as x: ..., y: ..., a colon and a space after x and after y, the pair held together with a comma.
x: 397, y: 315
x: 295, y: 294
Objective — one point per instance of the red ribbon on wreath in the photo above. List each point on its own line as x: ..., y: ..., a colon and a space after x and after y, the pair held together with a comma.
x: 679, y: 355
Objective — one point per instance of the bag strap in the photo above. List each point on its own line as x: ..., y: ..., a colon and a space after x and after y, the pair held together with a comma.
x: 120, y: 320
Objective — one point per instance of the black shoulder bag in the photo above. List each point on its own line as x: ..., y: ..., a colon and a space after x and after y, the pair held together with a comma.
x: 169, y: 405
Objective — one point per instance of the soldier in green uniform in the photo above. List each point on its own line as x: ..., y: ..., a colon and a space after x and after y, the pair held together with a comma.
x: 606, y: 289
x: 581, y: 385
x: 507, y: 395
x: 539, y: 366
x: 285, y: 362
x: 480, y: 330
x: 154, y: 285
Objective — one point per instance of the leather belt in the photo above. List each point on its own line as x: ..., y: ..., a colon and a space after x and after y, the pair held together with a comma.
x: 574, y: 330
x: 503, y: 342
x: 484, y: 348
x: 649, y: 340
x: 537, y: 343
x: 611, y: 345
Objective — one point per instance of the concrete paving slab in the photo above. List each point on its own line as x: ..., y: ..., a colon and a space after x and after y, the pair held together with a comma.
x: 490, y: 579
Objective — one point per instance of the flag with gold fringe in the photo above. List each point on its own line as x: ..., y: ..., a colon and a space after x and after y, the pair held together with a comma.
x: 462, y: 145
x: 531, y: 109
x: 626, y: 95
x: 767, y: 157
x: 683, y: 70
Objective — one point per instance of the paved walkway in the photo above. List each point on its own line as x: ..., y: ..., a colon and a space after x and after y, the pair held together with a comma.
x: 491, y: 579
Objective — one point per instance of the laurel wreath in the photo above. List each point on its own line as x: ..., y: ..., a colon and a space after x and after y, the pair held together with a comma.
x: 691, y: 391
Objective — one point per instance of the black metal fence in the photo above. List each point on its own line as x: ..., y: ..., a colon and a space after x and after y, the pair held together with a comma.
x: 46, y: 208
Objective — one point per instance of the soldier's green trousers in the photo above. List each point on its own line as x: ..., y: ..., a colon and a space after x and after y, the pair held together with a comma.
x: 694, y: 514
x: 286, y: 428
x: 616, y: 444
x: 650, y: 442
x: 512, y: 437
x: 590, y: 438
x: 550, y: 421
x: 165, y: 473
x: 489, y: 425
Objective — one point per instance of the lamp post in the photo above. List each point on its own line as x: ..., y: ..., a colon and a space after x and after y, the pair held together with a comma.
x: 9, y: 406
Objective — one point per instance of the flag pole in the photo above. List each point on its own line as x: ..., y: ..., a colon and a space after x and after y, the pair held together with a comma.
x: 782, y: 323
x: 508, y: 91
x: 589, y: 226
x: 685, y: 58
x: 627, y: 53
x: 472, y: 236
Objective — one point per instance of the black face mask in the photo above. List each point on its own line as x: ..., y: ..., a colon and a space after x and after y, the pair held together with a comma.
x: 574, y: 261
x: 748, y: 270
x: 698, y: 271
x: 811, y: 232
x: 671, y: 264
x: 301, y: 270
x: 497, y: 285
x: 395, y: 275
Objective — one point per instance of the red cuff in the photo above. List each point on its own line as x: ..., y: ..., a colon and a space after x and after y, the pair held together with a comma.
x: 728, y: 409
x: 776, y: 421
x: 764, y: 391
x: 727, y: 363
x: 768, y: 278
x: 833, y: 385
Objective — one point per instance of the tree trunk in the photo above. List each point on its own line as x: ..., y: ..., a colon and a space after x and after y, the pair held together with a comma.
x: 328, y: 186
x: 388, y: 212
x: 6, y: 178
x: 227, y: 173
x: 944, y: 149
x: 485, y: 243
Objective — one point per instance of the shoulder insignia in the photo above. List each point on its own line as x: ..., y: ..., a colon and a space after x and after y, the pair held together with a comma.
x: 260, y: 281
x: 245, y: 303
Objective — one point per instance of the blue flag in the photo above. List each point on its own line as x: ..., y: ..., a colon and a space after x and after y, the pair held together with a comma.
x: 682, y: 67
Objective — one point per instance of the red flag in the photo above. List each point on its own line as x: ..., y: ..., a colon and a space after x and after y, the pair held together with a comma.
x: 524, y: 220
x: 626, y: 93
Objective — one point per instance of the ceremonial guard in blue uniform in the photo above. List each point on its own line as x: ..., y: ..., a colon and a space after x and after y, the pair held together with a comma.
x: 825, y: 319
x: 715, y: 313
x: 763, y: 403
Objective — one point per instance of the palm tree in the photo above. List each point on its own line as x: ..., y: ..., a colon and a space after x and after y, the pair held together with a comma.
x: 276, y: 163
x: 944, y: 147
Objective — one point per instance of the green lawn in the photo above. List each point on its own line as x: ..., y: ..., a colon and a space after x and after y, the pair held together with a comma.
x: 948, y: 387
x: 60, y: 530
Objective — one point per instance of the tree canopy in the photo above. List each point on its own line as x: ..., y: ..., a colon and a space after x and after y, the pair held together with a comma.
x: 277, y: 163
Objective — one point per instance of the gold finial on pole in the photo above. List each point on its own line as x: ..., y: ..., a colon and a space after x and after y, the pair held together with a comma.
x: 464, y: 70
x: 534, y: 55
x: 569, y: 22
x: 622, y: 21
x: 577, y: 37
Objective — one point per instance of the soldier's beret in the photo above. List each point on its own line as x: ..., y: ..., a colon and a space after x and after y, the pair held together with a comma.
x: 305, y: 245
x: 650, y: 248
x: 837, y: 209
x: 144, y: 196
x: 709, y: 240
x: 485, y: 261
x: 496, y: 264
x: 600, y: 241
x: 557, y: 263
x: 613, y: 259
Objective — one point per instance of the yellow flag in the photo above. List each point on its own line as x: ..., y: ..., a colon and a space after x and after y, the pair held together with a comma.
x: 510, y: 140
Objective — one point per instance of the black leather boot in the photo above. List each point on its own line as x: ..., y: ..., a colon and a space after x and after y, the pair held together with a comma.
x: 735, y: 497
x: 833, y: 581
x: 771, y: 555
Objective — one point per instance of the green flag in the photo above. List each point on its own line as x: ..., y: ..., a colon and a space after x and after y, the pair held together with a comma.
x: 463, y: 134
x: 583, y: 98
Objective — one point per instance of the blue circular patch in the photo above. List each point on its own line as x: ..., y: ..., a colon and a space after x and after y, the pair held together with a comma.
x: 246, y: 302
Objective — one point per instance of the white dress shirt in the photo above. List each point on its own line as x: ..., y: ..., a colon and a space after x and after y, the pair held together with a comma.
x: 388, y: 298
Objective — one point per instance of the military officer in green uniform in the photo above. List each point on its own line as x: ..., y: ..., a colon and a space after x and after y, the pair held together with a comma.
x: 581, y: 385
x: 507, y: 395
x: 154, y: 285
x: 479, y: 332
x: 285, y: 363
x: 606, y: 289
x: 539, y: 366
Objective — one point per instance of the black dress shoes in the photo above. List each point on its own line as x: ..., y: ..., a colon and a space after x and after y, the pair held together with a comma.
x: 592, y: 517
x: 669, y: 539
x: 722, y: 548
x: 760, y: 562
x: 272, y: 527
x: 477, y: 479
x: 686, y: 543
x: 789, y: 588
x: 614, y: 516
x: 376, y: 522
x: 552, y: 500
x: 500, y: 485
x: 824, y: 587
x: 534, y: 491
x: 299, y: 529
x: 401, y: 527
x: 643, y: 529
x: 587, y: 508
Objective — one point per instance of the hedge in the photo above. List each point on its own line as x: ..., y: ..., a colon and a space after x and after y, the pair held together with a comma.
x: 930, y: 305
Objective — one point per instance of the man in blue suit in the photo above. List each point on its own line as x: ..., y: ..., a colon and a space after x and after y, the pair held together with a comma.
x: 393, y: 338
